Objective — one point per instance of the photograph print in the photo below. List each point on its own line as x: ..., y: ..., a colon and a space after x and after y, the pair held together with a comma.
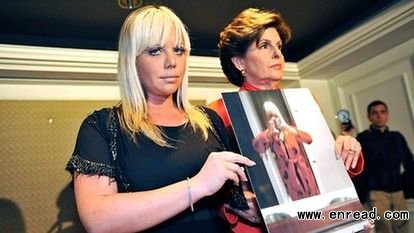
x: 286, y: 134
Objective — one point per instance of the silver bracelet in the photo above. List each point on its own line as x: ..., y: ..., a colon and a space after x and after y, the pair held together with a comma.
x: 190, y: 198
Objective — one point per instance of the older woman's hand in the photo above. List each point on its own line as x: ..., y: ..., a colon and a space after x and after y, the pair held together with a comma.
x: 252, y: 214
x: 349, y: 149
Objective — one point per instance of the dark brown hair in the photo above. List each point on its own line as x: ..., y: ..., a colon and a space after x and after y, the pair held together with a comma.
x: 244, y: 30
x: 375, y: 103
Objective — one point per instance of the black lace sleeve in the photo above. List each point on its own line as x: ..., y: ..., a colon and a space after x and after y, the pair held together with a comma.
x: 92, y: 153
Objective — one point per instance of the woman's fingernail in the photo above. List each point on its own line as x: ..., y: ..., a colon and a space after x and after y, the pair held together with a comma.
x: 337, y: 156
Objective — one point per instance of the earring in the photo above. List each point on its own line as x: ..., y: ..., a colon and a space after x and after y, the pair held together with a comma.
x: 243, y: 73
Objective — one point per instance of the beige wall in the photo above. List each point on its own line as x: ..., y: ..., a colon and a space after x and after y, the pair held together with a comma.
x: 36, y: 139
x: 388, y: 77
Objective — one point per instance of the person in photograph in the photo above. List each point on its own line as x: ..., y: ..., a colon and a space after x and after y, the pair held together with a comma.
x: 250, y: 50
x: 153, y: 163
x: 285, y: 142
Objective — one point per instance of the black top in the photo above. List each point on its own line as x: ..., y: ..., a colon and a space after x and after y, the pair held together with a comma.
x: 144, y: 165
x: 384, y: 153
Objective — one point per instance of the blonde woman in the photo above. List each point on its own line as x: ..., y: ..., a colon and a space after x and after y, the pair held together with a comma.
x: 153, y: 163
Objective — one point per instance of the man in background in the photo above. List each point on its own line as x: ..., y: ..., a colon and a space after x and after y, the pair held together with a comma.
x: 380, y: 184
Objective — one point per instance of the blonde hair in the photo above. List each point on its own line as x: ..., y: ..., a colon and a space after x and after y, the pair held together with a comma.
x: 144, y: 28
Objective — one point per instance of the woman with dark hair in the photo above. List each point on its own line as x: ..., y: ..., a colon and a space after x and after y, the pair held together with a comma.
x: 251, y: 57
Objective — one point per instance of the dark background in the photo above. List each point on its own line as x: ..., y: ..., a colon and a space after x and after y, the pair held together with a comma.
x: 94, y: 24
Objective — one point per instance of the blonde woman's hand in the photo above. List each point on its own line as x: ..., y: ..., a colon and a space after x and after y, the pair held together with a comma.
x: 220, y: 167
